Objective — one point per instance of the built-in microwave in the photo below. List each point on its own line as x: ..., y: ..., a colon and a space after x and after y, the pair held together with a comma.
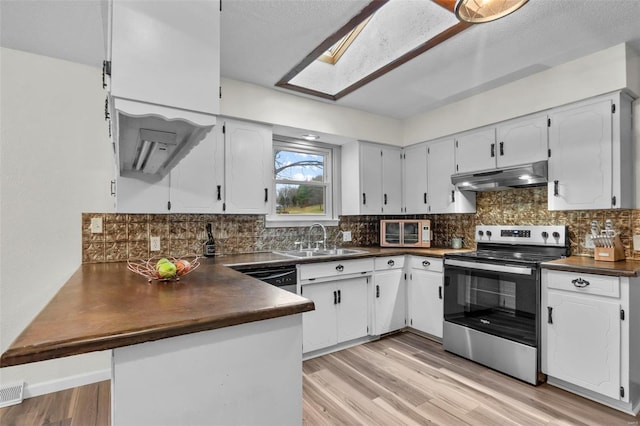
x: 405, y: 233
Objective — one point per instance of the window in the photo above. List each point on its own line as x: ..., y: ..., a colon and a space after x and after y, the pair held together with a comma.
x: 303, y: 182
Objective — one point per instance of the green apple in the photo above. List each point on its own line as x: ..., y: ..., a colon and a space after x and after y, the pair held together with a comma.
x: 167, y: 270
x: 160, y: 262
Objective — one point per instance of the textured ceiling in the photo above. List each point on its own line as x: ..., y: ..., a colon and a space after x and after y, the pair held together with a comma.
x: 263, y: 39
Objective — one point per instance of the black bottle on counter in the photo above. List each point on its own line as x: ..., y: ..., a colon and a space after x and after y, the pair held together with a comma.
x: 210, y: 245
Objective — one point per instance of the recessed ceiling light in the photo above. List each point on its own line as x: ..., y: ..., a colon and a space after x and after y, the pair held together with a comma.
x: 479, y: 11
x: 311, y: 137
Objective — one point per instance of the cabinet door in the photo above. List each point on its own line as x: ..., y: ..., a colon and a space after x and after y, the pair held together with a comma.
x: 522, y: 141
x: 193, y: 186
x: 370, y: 179
x: 580, y: 175
x: 319, y: 327
x: 425, y: 302
x: 167, y: 53
x: 440, y: 167
x: 352, y: 314
x: 583, y: 342
x: 389, y: 301
x: 415, y: 179
x: 138, y: 195
x: 248, y: 167
x: 476, y: 150
x: 391, y: 181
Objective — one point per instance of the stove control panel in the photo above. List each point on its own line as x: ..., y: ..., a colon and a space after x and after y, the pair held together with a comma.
x: 544, y: 235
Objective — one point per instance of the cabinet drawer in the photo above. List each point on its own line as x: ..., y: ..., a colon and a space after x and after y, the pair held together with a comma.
x: 389, y: 262
x: 332, y: 269
x: 600, y: 285
x: 426, y: 263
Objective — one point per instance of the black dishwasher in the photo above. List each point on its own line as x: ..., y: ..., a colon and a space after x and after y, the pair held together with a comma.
x: 284, y: 277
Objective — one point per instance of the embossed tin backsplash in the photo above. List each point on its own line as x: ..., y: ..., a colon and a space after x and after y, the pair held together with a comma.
x: 127, y: 236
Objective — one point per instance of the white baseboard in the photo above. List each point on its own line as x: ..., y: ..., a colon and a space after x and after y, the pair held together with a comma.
x: 37, y: 389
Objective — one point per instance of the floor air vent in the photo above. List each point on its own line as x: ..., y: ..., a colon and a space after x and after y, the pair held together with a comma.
x: 11, y: 394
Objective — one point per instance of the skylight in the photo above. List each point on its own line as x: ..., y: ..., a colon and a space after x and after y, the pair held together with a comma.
x: 385, y: 37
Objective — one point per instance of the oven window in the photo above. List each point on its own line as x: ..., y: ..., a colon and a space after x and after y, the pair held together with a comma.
x: 392, y: 232
x: 500, y: 304
x: 410, y: 232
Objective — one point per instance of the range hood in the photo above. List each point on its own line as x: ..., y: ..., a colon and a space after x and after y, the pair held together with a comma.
x: 151, y: 139
x: 526, y: 175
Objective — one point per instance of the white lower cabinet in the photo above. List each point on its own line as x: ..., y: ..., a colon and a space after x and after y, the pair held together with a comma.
x: 341, y: 305
x: 389, y: 295
x: 587, y: 345
x: 424, y: 301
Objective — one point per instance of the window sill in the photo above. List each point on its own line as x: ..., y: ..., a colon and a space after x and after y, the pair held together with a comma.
x: 276, y: 222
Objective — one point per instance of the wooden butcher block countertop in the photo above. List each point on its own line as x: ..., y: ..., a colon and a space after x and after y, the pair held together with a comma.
x: 105, y: 306
x: 585, y: 264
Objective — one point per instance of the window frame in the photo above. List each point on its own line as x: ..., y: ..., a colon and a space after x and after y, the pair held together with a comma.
x: 331, y: 183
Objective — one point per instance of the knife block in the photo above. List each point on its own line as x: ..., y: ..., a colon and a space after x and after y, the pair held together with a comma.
x: 610, y: 254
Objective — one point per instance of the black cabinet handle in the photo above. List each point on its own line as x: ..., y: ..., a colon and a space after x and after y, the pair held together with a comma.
x: 440, y: 292
x: 335, y: 297
x: 555, y: 188
x: 266, y: 195
x: 377, y: 291
x: 426, y: 263
x: 113, y: 188
x: 549, y: 315
x: 579, y: 282
x: 219, y: 192
x: 385, y: 199
x: 391, y: 262
x: 106, y: 109
x: 339, y: 297
x: 425, y: 198
x: 501, y: 148
x: 453, y: 196
x: 339, y: 268
x: 364, y: 198
x: 493, y: 149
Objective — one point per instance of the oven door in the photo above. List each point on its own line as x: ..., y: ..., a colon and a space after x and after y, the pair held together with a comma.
x: 498, y: 299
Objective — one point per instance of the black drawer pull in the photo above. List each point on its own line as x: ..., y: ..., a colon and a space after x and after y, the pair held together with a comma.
x: 556, y: 192
x: 377, y: 291
x: 440, y: 292
x: 549, y: 314
x: 579, y: 282
x: 266, y: 195
x: 426, y: 263
x: 339, y: 268
x: 391, y: 262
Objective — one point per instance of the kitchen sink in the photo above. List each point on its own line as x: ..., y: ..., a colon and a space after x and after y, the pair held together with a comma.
x: 299, y: 254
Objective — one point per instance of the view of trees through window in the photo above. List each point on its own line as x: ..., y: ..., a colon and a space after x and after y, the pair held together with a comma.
x: 300, y: 182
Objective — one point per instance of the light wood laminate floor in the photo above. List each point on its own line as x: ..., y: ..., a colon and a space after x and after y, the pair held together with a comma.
x: 400, y: 379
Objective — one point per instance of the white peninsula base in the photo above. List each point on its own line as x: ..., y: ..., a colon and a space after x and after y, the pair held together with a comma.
x: 248, y: 374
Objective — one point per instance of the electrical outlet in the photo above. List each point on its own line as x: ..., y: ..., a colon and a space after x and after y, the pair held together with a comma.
x: 155, y: 243
x: 346, y: 236
x: 636, y: 242
x: 96, y: 225
x: 588, y: 241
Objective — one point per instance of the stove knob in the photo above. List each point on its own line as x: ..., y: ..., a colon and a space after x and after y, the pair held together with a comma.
x: 481, y: 233
x: 545, y: 234
x: 556, y: 235
x: 488, y: 233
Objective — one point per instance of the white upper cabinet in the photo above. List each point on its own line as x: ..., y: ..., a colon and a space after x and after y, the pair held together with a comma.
x: 248, y: 170
x: 591, y: 160
x: 371, y: 179
x: 415, y: 186
x: 442, y: 197
x: 167, y: 53
x: 522, y: 140
x: 476, y: 150
x: 514, y: 142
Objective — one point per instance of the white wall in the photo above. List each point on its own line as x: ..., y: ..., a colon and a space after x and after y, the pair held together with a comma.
x: 251, y: 102
x: 599, y: 73
x: 55, y: 163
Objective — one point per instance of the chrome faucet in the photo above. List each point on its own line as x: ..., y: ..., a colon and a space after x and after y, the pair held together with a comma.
x: 324, y: 235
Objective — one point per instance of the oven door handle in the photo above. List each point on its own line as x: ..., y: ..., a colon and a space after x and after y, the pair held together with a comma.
x: 491, y: 267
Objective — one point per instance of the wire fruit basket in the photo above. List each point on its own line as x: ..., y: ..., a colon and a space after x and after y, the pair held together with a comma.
x: 174, y: 269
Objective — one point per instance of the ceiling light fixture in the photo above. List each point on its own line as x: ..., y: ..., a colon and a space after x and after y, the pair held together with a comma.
x: 310, y: 137
x: 479, y: 11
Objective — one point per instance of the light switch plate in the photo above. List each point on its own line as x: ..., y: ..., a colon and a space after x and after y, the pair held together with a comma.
x: 636, y: 242
x: 155, y: 244
x: 346, y: 236
x: 588, y: 242
x: 96, y: 225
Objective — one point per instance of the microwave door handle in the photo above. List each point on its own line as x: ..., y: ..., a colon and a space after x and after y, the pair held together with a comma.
x: 491, y: 267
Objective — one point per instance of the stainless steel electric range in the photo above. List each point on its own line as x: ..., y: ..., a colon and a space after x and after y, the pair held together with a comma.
x: 492, y: 297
